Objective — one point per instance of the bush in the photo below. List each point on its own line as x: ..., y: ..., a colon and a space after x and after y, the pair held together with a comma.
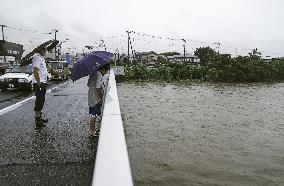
x: 219, y: 69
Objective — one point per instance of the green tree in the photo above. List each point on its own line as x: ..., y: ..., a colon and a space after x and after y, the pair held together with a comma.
x: 170, y: 53
x: 125, y: 60
x: 205, y: 54
x: 161, y: 59
x: 255, y: 54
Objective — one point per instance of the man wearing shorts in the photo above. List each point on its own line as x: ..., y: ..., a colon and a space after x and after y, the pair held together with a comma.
x: 97, y: 86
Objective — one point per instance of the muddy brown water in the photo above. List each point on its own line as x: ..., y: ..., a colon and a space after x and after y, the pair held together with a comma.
x: 204, y: 134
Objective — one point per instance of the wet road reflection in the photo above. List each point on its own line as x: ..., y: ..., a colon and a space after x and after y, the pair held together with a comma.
x: 13, y: 96
x: 59, y: 154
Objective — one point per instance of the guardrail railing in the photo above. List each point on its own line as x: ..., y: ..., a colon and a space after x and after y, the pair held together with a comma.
x: 112, y: 167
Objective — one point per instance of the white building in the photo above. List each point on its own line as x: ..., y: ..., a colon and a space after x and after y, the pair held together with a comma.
x: 188, y: 58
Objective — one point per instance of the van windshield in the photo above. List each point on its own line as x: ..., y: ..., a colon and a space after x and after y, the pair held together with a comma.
x: 19, y: 69
x: 56, y: 65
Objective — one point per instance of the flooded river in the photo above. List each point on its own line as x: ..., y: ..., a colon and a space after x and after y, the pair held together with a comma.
x: 204, y: 134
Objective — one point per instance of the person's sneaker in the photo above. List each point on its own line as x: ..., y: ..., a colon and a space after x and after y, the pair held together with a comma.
x: 98, y: 119
x: 39, y: 123
x: 44, y: 120
x: 97, y: 132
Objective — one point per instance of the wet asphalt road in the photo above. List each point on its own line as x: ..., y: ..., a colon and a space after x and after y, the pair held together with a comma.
x: 13, y: 96
x: 60, y: 154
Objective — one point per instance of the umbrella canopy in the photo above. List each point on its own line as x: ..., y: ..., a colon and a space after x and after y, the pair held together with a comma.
x: 90, y: 63
x: 49, y: 45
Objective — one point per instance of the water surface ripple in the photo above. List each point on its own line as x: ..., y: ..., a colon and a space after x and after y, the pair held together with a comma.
x: 204, y: 134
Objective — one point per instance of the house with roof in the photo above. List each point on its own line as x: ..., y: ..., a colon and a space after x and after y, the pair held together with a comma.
x: 150, y: 58
x: 124, y: 57
x: 188, y: 58
x: 145, y: 57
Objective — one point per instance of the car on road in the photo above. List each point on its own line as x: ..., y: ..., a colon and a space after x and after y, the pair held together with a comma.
x: 59, y: 70
x: 17, y: 77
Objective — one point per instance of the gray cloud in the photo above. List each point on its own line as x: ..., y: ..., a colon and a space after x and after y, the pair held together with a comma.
x: 46, y: 22
x: 236, y: 23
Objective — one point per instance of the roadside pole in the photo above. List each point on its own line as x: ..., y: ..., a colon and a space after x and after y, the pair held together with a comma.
x: 128, y: 38
x: 184, y: 49
x: 55, y: 31
x: 4, y: 50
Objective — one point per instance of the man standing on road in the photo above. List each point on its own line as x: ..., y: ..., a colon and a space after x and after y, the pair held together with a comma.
x: 39, y: 81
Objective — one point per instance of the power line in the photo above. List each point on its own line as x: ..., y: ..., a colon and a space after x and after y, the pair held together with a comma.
x: 154, y: 39
x: 28, y: 30
x: 186, y: 39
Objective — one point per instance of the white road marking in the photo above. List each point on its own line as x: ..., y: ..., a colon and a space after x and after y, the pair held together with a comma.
x: 17, y: 105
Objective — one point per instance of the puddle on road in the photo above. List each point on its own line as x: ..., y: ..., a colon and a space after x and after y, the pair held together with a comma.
x: 60, y: 95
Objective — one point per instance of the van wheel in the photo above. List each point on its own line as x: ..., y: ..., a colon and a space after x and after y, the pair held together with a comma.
x: 30, y: 87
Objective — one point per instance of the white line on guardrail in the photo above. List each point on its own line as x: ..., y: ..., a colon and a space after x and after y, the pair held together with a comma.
x: 112, y: 165
x: 17, y: 105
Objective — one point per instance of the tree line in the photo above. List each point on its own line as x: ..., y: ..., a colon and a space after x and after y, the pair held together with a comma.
x: 213, y: 67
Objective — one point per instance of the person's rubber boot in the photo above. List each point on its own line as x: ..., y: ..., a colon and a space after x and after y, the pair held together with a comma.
x: 39, y: 123
x: 44, y: 120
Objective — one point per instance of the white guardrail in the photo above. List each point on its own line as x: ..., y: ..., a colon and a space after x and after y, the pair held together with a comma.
x: 112, y: 167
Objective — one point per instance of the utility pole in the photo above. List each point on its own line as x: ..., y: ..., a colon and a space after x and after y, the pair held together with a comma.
x: 236, y: 52
x: 218, y: 46
x: 4, y: 50
x: 128, y: 44
x: 117, y: 56
x: 55, y: 31
x: 103, y: 44
x: 184, y: 50
x: 2, y: 27
x: 183, y: 53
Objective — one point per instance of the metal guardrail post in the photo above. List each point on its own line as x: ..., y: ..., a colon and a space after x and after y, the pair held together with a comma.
x: 112, y: 167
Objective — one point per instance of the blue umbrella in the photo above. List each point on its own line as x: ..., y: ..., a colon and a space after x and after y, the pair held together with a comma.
x: 90, y: 63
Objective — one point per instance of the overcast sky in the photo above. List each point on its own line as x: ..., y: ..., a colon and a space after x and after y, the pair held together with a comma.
x: 236, y: 24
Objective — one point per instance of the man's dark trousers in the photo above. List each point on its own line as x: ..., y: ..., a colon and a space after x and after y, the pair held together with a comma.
x: 40, y: 96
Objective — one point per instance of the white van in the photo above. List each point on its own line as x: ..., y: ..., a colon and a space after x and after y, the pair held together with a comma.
x: 17, y: 77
